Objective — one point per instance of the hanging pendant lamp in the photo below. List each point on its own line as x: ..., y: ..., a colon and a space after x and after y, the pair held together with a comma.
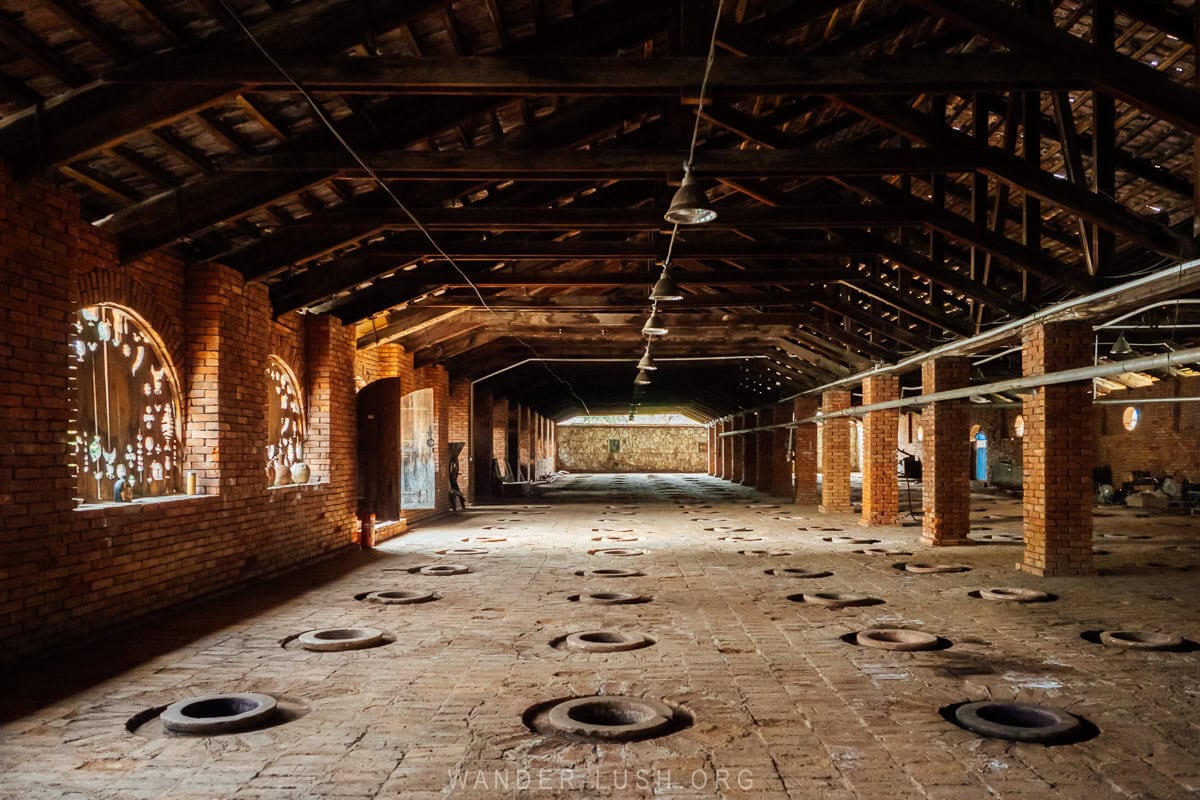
x: 654, y: 325
x: 647, y: 363
x: 643, y: 378
x: 665, y: 288
x: 1121, y: 346
x: 690, y: 205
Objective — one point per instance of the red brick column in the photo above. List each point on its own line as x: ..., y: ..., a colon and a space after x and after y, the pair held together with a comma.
x: 1057, y: 454
x: 805, y: 446
x: 727, y: 450
x: 881, y: 491
x: 946, y: 467
x: 738, y: 472
x: 712, y: 449
x: 835, y: 456
x: 764, y: 457
x: 781, y: 468
x: 749, y: 451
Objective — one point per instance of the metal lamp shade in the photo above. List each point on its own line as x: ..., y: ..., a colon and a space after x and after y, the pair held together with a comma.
x: 665, y: 288
x: 690, y: 205
x: 654, y: 326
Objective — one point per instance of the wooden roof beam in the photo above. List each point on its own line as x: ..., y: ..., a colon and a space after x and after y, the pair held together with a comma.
x: 604, y: 164
x: 648, y: 77
x: 1137, y: 84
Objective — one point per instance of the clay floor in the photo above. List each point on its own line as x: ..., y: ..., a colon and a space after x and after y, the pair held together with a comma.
x: 782, y: 706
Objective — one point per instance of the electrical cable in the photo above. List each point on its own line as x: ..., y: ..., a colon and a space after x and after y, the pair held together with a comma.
x: 328, y: 123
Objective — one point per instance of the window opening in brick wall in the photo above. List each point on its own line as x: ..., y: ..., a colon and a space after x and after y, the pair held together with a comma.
x: 127, y: 424
x: 1130, y: 418
x: 285, y: 417
x: 1019, y: 426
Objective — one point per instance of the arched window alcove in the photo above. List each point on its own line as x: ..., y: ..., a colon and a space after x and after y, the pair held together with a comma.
x: 126, y: 435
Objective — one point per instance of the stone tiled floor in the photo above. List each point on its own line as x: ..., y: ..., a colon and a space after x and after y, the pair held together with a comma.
x: 783, y: 707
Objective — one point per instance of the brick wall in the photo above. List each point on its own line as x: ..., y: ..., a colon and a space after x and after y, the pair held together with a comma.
x: 70, y: 571
x: 643, y: 448
x: 1164, y: 440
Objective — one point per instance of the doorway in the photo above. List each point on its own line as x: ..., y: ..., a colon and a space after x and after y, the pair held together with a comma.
x: 378, y: 414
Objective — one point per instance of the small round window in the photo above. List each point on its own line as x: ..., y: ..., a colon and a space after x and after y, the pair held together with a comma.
x: 1019, y: 426
x: 1130, y: 418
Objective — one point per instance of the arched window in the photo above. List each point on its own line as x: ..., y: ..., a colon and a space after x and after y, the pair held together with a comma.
x: 285, y: 415
x: 127, y: 424
x: 1130, y: 418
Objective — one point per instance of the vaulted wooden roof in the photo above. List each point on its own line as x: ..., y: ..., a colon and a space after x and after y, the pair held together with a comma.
x: 871, y: 163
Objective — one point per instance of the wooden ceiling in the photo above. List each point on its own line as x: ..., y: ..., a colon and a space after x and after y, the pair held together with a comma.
x: 870, y: 162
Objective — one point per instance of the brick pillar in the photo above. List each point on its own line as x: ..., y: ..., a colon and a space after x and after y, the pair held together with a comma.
x: 881, y: 490
x: 946, y: 467
x: 804, y: 467
x: 781, y: 468
x: 764, y: 456
x: 710, y: 462
x: 738, y: 472
x: 1057, y: 454
x: 749, y: 452
x: 835, y: 456
x: 727, y: 451
x: 331, y: 423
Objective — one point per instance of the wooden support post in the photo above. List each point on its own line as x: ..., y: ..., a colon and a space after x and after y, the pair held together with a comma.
x: 979, y: 187
x: 1104, y: 136
x: 1031, y: 222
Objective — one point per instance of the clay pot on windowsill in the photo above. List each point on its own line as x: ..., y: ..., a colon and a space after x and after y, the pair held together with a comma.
x: 300, y: 472
x: 283, y: 475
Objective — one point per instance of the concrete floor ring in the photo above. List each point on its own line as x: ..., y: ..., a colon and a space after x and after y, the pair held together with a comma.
x: 332, y: 639
x: 610, y: 573
x: 606, y: 641
x: 610, y: 718
x: 1018, y: 722
x: 445, y: 569
x: 610, y: 598
x: 933, y: 569
x: 897, y: 639
x: 1010, y: 594
x: 1141, y: 640
x: 797, y: 572
x: 400, y: 597
x: 838, y: 599
x: 219, y: 713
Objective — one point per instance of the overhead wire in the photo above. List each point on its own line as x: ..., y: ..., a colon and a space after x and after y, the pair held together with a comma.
x: 323, y: 117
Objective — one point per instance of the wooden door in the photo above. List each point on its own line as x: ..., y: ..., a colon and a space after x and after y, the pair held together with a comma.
x: 379, y: 449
